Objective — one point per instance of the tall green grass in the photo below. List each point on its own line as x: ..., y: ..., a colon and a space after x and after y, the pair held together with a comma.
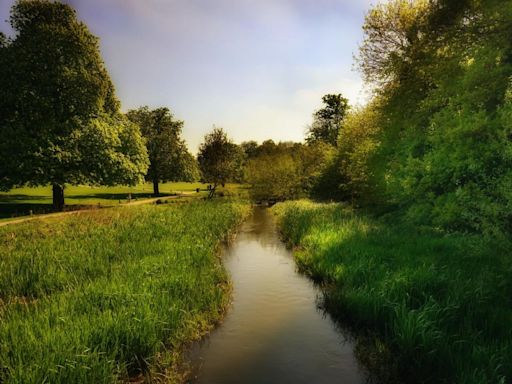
x: 108, y: 295
x: 442, y: 303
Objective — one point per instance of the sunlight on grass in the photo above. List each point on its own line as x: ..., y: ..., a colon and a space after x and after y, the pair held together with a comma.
x: 441, y: 302
x: 110, y: 294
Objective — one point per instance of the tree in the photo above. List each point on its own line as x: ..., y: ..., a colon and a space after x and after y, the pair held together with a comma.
x: 328, y: 120
x: 59, y: 118
x: 218, y: 159
x: 249, y: 148
x: 358, y: 147
x: 392, y: 31
x: 442, y: 73
x: 169, y: 159
x: 289, y: 171
x: 274, y: 177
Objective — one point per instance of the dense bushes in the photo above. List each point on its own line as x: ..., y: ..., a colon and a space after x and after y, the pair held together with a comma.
x: 435, y: 141
x: 286, y: 171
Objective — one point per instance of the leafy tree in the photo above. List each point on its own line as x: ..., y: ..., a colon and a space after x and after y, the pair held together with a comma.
x: 267, y: 147
x: 218, y: 159
x: 288, y: 172
x: 249, y: 148
x: 274, y: 177
x: 392, y: 32
x: 442, y: 70
x: 349, y: 174
x: 59, y: 119
x: 328, y: 120
x: 169, y: 159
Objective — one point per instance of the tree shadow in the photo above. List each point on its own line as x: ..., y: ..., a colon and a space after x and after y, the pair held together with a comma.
x: 8, y: 210
x: 5, y: 198
x: 120, y: 196
x: 16, y: 205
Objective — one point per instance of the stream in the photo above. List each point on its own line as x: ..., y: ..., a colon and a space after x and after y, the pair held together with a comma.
x: 274, y: 332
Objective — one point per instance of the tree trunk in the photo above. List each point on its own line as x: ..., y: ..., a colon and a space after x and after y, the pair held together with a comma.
x: 58, y: 197
x: 212, y: 191
x: 156, y: 189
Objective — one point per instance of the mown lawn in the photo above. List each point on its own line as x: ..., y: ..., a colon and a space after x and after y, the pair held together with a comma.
x: 21, y: 201
x: 441, y: 303
x: 38, y: 200
x: 111, y: 294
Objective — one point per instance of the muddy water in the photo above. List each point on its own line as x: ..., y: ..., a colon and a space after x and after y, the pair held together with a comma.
x: 274, y: 332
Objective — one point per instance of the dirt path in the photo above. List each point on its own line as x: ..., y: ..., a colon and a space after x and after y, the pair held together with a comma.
x: 78, y: 211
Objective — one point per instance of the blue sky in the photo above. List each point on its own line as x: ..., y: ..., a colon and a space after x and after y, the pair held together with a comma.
x: 257, y: 68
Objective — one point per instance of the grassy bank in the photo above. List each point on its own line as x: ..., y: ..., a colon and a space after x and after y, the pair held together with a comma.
x: 110, y: 294
x: 441, y: 303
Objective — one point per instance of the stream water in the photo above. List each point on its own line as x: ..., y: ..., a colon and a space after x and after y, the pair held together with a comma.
x: 274, y: 332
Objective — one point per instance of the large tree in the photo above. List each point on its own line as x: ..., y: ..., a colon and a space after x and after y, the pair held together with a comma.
x: 327, y: 121
x: 218, y: 159
x: 59, y: 119
x: 169, y: 158
x: 441, y: 71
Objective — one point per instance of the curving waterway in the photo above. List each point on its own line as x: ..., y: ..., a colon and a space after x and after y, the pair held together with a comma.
x: 274, y: 332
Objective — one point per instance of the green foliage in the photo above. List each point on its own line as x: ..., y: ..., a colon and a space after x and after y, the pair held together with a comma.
x: 219, y: 159
x: 100, y: 297
x: 55, y: 95
x: 286, y: 171
x: 274, y: 177
x: 435, y: 139
x: 328, y: 120
x: 169, y: 158
x: 350, y: 174
x: 249, y: 148
x: 440, y: 302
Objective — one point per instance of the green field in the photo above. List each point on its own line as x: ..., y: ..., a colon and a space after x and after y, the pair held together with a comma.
x: 38, y: 200
x: 20, y: 201
x: 111, y: 294
x: 440, y: 303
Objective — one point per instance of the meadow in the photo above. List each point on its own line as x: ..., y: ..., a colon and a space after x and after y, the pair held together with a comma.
x: 111, y: 295
x: 38, y: 200
x: 430, y: 306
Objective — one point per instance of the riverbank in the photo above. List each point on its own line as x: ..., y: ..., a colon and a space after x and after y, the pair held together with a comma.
x: 111, y: 294
x: 441, y: 303
x: 273, y: 332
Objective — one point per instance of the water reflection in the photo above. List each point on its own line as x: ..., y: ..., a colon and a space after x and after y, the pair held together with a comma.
x: 274, y: 332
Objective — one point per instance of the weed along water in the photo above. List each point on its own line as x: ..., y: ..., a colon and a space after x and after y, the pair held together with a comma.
x: 274, y: 332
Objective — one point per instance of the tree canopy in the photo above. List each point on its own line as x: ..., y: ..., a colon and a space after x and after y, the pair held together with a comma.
x: 434, y: 142
x: 169, y: 158
x: 59, y: 118
x: 219, y: 159
x: 286, y: 170
x: 327, y: 121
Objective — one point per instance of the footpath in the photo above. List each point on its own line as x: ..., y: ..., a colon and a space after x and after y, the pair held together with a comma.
x: 79, y: 211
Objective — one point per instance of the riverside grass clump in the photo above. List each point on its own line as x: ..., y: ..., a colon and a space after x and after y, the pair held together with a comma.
x: 110, y: 295
x: 440, y: 302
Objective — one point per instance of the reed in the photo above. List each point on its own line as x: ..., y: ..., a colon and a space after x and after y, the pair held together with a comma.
x: 111, y: 294
x: 441, y: 302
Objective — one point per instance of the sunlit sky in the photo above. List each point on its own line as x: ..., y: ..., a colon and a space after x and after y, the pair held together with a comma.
x: 257, y: 68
